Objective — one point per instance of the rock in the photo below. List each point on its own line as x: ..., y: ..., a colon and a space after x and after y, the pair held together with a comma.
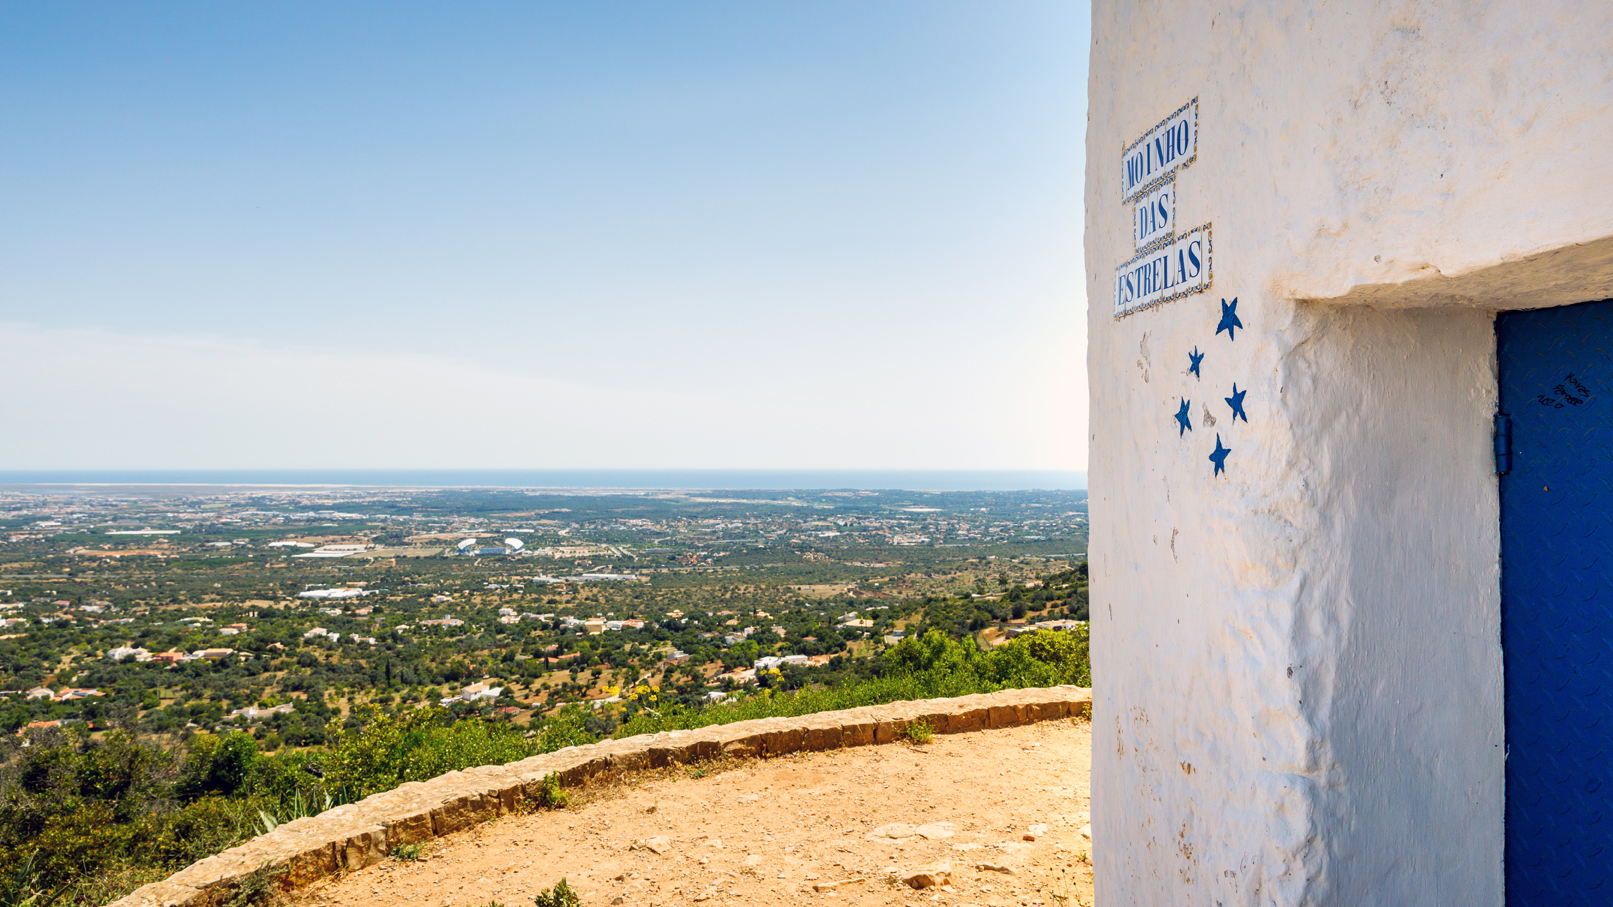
x: 831, y: 886
x: 929, y: 877
x: 993, y: 867
x: 657, y: 845
x: 1086, y: 831
x: 1028, y: 837
x: 1039, y: 829
x: 897, y: 831
x: 714, y: 842
x: 747, y: 798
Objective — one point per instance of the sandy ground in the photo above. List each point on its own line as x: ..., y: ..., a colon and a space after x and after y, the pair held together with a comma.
x: 781, y: 831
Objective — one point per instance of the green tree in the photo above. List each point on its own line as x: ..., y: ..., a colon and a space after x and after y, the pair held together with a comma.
x: 218, y: 764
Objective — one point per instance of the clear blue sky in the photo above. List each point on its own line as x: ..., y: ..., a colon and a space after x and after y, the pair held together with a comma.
x: 726, y: 235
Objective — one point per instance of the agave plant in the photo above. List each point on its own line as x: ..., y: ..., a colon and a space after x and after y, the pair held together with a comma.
x: 298, y: 807
x: 22, y: 889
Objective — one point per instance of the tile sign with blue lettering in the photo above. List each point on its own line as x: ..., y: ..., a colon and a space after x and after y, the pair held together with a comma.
x: 1167, y: 265
x: 1162, y: 151
x: 1164, y: 272
x: 1154, y: 215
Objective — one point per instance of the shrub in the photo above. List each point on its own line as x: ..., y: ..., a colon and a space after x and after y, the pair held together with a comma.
x: 81, y: 842
x: 918, y: 732
x: 550, y: 794
x: 416, y: 745
x: 568, y: 727
x: 218, y: 764
x: 92, y: 820
x: 199, y: 829
x: 561, y: 895
x: 1041, y: 659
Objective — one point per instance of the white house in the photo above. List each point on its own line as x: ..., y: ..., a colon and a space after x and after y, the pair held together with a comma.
x: 1351, y: 398
x: 474, y: 692
x: 253, y: 713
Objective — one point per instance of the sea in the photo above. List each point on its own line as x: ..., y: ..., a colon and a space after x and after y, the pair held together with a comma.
x: 672, y: 479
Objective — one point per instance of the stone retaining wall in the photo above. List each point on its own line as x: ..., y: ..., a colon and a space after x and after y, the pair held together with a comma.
x: 360, y: 834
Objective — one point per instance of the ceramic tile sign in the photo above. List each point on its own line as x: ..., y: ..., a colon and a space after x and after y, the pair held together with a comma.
x: 1168, y: 272
x: 1155, y: 214
x: 1163, y: 150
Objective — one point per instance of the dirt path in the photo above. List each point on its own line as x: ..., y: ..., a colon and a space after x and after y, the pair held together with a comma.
x: 780, y: 831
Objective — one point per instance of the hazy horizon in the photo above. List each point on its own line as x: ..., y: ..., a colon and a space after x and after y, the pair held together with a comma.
x: 571, y: 480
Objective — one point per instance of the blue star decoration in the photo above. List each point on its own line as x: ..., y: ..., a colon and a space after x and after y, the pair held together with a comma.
x: 1229, y: 319
x: 1236, y: 402
x: 1219, y: 458
x: 1184, y: 421
x: 1194, y: 358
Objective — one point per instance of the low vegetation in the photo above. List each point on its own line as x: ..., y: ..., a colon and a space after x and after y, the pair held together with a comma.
x: 90, y: 818
x: 918, y: 732
x: 561, y: 895
x: 551, y: 795
x: 178, y: 674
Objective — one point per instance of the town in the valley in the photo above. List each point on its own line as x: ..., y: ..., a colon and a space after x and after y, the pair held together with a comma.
x: 285, y: 613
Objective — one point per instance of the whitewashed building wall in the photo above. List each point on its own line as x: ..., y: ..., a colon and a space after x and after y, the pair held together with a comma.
x: 1297, y: 659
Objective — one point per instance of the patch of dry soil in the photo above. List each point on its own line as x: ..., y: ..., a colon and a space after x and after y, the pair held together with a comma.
x: 783, y: 831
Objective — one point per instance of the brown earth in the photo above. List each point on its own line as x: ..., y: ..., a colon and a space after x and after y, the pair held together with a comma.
x: 784, y: 831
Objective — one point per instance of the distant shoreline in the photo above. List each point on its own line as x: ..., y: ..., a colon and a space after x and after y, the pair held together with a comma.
x: 551, y: 479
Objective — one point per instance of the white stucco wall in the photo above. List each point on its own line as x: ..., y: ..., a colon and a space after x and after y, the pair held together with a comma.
x: 1297, y: 663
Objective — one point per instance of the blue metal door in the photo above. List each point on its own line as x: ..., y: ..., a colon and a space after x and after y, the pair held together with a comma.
x: 1556, y: 372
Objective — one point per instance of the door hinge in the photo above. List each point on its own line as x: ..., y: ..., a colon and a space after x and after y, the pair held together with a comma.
x: 1503, y: 444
